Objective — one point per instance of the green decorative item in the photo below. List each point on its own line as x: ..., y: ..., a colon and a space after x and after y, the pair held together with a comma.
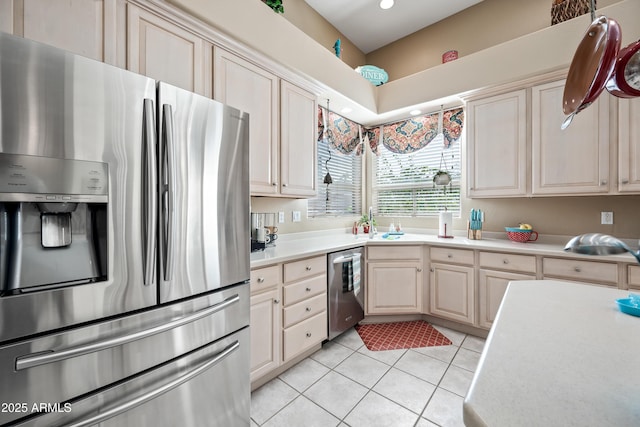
x: 276, y: 5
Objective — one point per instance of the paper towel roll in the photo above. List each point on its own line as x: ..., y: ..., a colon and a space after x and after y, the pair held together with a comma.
x: 444, y: 224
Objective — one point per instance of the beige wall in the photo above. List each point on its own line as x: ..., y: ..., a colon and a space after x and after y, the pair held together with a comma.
x: 486, y: 24
x: 303, y: 16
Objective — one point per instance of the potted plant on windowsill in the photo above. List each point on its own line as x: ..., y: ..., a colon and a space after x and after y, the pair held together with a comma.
x: 364, y: 222
x: 276, y: 5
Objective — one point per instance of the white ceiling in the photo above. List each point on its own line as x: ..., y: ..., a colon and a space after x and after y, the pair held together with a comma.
x: 369, y: 27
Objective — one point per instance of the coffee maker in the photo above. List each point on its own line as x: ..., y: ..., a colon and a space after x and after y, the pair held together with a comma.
x: 264, y: 231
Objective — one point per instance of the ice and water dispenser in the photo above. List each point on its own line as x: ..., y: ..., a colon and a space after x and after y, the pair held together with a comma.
x: 53, y: 222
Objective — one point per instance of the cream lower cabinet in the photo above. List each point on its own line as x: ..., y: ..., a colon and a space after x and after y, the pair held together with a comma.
x: 265, y: 323
x: 452, y: 284
x: 492, y: 285
x: 394, y: 280
x: 592, y: 272
x: 305, y: 305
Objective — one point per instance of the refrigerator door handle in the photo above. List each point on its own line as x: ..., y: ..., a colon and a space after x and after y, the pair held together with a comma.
x: 168, y: 189
x: 130, y: 404
x: 150, y: 182
x: 51, y: 356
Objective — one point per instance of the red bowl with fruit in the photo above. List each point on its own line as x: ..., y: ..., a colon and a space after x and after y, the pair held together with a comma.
x: 521, y: 235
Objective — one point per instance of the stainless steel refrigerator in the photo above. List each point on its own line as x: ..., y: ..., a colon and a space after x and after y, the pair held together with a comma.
x: 124, y: 247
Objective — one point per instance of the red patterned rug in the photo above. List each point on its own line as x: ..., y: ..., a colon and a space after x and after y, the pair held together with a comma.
x: 396, y: 335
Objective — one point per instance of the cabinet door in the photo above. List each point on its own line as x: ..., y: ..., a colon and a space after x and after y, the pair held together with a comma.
x: 452, y: 292
x: 249, y: 88
x: 394, y: 287
x: 574, y: 160
x: 87, y: 28
x: 298, y: 132
x: 265, y: 333
x: 629, y: 145
x: 492, y: 286
x: 497, y: 146
x: 165, y: 51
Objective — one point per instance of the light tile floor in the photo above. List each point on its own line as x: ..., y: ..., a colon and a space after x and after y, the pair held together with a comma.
x: 345, y: 384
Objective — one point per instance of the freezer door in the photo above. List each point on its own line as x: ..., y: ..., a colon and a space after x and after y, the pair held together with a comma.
x: 204, y: 194
x: 209, y: 387
x: 62, y: 366
x: 59, y: 105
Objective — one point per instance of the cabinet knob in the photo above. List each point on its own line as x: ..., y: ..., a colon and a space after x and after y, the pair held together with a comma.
x: 274, y: 184
x: 308, y: 289
x: 260, y: 279
x: 419, y: 270
x: 276, y: 301
x: 625, y: 181
x: 432, y: 270
x: 603, y: 182
x: 284, y: 185
x: 308, y: 334
x: 308, y: 268
x: 577, y: 269
x: 505, y: 261
x: 308, y: 309
x: 449, y: 255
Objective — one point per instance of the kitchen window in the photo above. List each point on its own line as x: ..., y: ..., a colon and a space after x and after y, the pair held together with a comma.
x: 407, y: 157
x: 339, y: 154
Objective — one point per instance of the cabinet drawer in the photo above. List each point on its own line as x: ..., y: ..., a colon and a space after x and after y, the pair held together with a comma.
x: 297, y: 270
x: 298, y: 291
x: 265, y: 278
x: 511, y: 262
x: 394, y: 252
x: 304, y: 309
x: 634, y: 275
x: 304, y: 335
x: 589, y: 271
x: 458, y: 256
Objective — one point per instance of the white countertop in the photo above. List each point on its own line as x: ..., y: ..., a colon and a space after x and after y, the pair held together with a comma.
x: 299, y: 245
x: 559, y: 354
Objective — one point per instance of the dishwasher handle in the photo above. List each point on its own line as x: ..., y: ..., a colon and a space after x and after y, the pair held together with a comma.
x: 346, y: 258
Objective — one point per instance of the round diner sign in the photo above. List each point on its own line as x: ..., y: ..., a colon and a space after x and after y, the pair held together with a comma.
x: 375, y: 75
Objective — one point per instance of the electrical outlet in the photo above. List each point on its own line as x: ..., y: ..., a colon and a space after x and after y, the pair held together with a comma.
x: 295, y: 216
x: 606, y: 218
x: 280, y: 217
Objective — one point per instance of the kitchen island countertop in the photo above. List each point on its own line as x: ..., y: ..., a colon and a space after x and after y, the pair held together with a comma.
x: 559, y: 354
x: 300, y: 245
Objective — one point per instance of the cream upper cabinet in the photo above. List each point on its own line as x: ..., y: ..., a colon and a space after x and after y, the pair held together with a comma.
x: 85, y: 27
x: 249, y: 88
x: 629, y: 145
x: 165, y: 51
x: 497, y: 145
x: 298, y: 130
x: 282, y: 126
x: 574, y: 160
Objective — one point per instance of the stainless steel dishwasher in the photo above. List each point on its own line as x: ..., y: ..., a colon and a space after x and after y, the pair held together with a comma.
x: 345, y: 289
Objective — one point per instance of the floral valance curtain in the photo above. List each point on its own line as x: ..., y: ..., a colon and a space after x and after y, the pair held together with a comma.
x: 342, y: 134
x: 413, y: 134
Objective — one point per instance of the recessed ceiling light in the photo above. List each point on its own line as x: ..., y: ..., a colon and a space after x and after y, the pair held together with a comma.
x: 415, y: 112
x: 346, y: 110
x: 386, y: 4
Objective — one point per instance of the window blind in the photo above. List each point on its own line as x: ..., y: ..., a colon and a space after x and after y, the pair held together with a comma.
x: 344, y: 195
x: 403, y: 183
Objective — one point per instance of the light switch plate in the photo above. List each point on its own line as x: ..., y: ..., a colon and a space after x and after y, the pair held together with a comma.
x: 295, y: 216
x: 280, y: 217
